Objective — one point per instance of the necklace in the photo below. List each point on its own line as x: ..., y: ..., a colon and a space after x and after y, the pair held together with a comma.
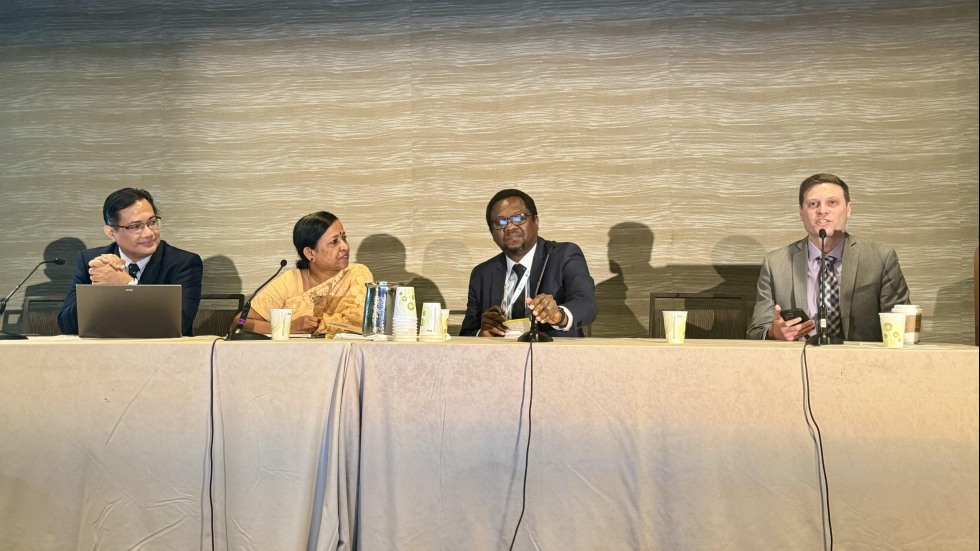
x: 311, y: 282
x: 308, y: 276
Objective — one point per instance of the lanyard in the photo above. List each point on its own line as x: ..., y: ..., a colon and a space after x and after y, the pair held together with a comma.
x: 518, y: 291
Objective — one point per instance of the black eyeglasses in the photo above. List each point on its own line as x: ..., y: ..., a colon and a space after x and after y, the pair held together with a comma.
x: 517, y: 220
x: 152, y: 223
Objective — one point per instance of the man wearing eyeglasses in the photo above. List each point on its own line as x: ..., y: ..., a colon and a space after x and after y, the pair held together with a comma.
x: 507, y: 286
x: 137, y: 255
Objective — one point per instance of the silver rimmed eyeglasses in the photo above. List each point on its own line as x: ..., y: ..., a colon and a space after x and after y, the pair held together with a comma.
x: 136, y: 227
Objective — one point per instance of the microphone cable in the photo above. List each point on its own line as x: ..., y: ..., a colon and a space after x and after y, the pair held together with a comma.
x: 811, y: 423
x: 529, y: 382
x: 210, y: 454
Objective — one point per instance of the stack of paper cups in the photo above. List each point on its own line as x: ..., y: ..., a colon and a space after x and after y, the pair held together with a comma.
x: 405, y: 321
x: 430, y: 328
x: 913, y: 321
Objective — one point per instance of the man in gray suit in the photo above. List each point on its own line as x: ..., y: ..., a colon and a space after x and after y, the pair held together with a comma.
x: 864, y: 276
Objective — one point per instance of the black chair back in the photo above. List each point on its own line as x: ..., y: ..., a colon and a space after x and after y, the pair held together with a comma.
x: 40, y: 316
x: 217, y: 312
x: 709, y: 316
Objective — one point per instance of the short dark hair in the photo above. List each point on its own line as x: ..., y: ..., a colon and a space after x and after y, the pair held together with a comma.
x: 823, y: 178
x: 123, y: 199
x: 504, y: 194
x: 307, y: 231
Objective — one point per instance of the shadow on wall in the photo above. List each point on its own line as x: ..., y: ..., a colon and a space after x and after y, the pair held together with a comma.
x: 624, y: 298
x: 737, y: 280
x: 384, y: 255
x: 955, y: 302
x: 220, y: 276
x: 449, y: 260
x: 58, y: 277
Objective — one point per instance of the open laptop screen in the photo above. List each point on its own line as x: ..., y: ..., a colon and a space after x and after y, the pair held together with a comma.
x: 129, y: 311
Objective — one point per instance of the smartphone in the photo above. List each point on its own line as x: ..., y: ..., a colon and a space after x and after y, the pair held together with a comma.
x: 794, y: 313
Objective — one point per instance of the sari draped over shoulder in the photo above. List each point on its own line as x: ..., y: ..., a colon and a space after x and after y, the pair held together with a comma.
x: 337, y: 302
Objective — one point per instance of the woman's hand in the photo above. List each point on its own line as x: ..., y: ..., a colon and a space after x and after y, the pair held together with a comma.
x: 304, y: 324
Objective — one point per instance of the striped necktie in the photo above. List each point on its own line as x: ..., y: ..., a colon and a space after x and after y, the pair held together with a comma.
x: 831, y: 296
x: 518, y: 310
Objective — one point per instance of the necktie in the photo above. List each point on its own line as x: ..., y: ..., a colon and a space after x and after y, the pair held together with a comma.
x: 831, y: 296
x: 133, y: 269
x: 517, y: 306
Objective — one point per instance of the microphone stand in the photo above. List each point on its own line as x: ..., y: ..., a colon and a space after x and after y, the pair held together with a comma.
x: 533, y: 335
x: 4, y: 336
x: 242, y: 334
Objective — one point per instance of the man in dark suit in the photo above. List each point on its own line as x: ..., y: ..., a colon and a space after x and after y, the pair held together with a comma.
x: 863, y: 277
x: 136, y: 256
x: 506, y: 286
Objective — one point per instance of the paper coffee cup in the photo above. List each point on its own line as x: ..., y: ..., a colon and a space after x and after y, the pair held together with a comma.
x: 892, y: 329
x: 282, y: 319
x: 675, y: 326
x: 913, y: 321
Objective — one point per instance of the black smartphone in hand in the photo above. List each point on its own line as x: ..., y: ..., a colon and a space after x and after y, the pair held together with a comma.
x: 794, y: 313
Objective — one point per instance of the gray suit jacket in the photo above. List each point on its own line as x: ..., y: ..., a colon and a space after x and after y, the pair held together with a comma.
x: 871, y: 282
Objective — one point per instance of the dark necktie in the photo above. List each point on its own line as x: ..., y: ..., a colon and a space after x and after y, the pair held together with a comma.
x: 831, y: 296
x: 133, y: 269
x: 518, y: 310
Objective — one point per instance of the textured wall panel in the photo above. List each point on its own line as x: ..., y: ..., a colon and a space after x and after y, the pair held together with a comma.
x: 666, y: 138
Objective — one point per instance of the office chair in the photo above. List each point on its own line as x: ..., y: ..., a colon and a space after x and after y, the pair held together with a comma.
x: 217, y: 312
x: 709, y: 316
x: 40, y: 316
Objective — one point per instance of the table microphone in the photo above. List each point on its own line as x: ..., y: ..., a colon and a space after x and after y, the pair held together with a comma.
x: 533, y: 335
x: 240, y: 333
x: 3, y: 304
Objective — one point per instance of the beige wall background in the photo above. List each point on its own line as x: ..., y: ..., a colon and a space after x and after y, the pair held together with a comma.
x: 667, y: 138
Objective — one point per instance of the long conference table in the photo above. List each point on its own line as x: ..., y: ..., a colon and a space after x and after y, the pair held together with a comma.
x: 634, y: 444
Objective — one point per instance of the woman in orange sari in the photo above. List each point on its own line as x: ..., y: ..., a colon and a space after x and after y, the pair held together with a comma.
x: 325, y: 291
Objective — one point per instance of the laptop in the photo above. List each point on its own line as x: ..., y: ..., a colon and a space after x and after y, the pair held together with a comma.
x: 128, y: 311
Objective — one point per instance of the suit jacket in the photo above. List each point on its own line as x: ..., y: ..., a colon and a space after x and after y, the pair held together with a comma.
x: 168, y: 265
x: 566, y: 278
x: 871, y: 281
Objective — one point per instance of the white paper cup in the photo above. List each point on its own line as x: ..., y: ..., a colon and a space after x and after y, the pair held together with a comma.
x: 430, y: 328
x: 675, y: 326
x: 892, y: 329
x: 282, y: 319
